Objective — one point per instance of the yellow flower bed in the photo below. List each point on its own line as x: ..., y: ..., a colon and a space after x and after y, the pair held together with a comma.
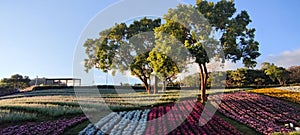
x: 282, y: 94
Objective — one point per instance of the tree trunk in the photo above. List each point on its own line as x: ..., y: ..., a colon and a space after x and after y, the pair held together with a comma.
x: 279, y: 81
x: 147, y: 86
x: 163, y: 86
x: 149, y: 89
x: 203, y: 82
x: 155, y: 85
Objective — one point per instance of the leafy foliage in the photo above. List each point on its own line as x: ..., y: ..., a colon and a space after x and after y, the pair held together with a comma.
x: 191, y: 28
x: 294, y: 74
x: 277, y: 73
x: 124, y: 48
x: 237, y: 39
x: 15, y: 81
x: 191, y: 80
x: 198, y: 23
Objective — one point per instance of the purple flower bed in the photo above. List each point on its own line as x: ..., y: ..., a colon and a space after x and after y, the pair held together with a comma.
x: 43, y: 128
x: 190, y: 124
x: 264, y: 114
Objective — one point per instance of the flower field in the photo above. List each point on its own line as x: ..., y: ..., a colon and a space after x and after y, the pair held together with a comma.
x: 264, y: 114
x: 43, y: 128
x: 160, y: 120
x: 290, y: 88
x: 173, y: 112
x: 132, y: 122
x: 189, y: 122
x: 286, y: 93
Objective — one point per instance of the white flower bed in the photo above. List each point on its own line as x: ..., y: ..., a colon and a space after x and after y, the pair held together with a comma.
x: 291, y: 88
x: 132, y: 122
x: 141, y: 126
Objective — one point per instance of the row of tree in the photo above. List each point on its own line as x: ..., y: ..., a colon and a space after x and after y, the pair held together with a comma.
x: 269, y: 74
x: 16, y: 81
x: 199, y: 33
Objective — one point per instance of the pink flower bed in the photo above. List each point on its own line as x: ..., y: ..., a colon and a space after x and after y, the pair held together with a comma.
x: 160, y: 123
x: 264, y: 114
x: 43, y: 128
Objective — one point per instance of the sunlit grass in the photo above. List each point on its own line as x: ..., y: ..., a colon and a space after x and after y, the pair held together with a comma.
x: 8, y: 116
x: 48, y: 110
x: 33, y: 108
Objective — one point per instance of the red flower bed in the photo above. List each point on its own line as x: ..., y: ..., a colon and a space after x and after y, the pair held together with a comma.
x: 165, y: 120
x: 264, y: 114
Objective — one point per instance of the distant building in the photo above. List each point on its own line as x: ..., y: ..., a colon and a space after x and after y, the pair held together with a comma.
x: 63, y: 81
x: 56, y: 81
x: 37, y: 81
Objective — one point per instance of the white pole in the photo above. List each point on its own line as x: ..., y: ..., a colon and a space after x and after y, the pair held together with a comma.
x: 36, y: 80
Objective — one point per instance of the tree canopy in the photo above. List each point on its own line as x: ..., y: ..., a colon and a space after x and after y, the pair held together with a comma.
x: 16, y: 81
x: 197, y: 27
x: 276, y: 73
x: 124, y: 47
x: 207, y: 32
x: 237, y: 40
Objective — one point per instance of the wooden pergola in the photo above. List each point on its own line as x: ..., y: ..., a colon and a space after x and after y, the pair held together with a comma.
x: 63, y: 81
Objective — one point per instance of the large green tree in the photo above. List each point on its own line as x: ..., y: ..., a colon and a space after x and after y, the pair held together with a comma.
x: 276, y: 73
x: 163, y: 66
x: 239, y: 77
x: 169, y: 56
x: 124, y: 48
x: 236, y: 40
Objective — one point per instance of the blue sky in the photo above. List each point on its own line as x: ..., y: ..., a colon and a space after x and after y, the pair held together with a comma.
x: 40, y: 37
